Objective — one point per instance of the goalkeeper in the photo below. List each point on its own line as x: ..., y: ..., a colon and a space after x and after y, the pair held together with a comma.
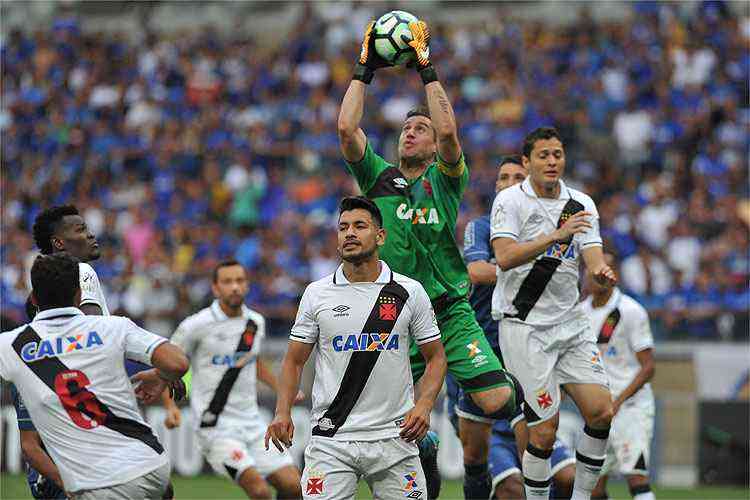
x: 419, y: 199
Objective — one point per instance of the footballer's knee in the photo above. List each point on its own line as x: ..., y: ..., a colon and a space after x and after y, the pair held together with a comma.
x: 510, y: 488
x: 542, y: 435
x: 492, y: 400
x: 287, y: 483
x: 254, y: 485
x: 600, y: 416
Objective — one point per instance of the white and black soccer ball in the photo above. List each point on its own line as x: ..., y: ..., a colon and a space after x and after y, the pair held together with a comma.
x: 392, y: 36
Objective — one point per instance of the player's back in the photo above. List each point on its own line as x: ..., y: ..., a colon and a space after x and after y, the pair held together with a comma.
x: 69, y: 369
x: 212, y: 341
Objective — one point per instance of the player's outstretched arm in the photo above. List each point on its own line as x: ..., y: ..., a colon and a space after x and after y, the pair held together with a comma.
x: 441, y: 111
x: 417, y: 421
x: 37, y: 458
x: 281, y: 429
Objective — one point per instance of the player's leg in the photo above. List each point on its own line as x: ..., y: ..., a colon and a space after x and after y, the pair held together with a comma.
x: 563, y: 471
x: 583, y: 377
x: 600, y: 490
x: 505, y: 468
x: 531, y: 359
x: 487, y: 392
x: 253, y: 484
x: 632, y: 430
x: 330, y: 472
x: 393, y: 470
x: 231, y: 458
x: 277, y: 468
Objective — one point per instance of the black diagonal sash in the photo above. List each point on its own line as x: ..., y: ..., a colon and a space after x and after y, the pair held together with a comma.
x: 536, y: 281
x: 53, y: 373
x: 211, y: 415
x: 608, y: 328
x: 382, y: 319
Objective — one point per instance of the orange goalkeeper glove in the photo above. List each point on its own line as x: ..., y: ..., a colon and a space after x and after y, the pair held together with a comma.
x: 420, y: 42
x: 369, y: 60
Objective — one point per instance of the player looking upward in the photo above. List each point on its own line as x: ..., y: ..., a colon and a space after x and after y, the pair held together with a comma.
x: 419, y: 200
x: 62, y: 229
x: 540, y: 230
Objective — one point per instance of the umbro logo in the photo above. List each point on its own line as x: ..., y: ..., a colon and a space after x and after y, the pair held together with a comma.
x: 400, y: 183
x: 340, y: 311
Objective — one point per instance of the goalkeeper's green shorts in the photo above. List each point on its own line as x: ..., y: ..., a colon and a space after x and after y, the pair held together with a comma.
x: 471, y: 360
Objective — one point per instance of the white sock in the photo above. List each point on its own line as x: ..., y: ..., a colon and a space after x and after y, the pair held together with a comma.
x: 537, y: 473
x: 590, y: 456
x: 642, y: 493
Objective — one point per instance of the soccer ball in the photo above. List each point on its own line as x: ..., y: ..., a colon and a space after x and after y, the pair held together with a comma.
x: 392, y: 36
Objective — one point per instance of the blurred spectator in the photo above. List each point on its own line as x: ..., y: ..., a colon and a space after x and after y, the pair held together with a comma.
x: 184, y: 150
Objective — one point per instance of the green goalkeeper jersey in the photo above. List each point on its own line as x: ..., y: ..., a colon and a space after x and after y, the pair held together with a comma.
x: 419, y: 217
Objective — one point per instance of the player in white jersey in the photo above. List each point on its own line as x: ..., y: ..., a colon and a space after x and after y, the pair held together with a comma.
x: 540, y: 229
x: 62, y: 229
x: 365, y: 420
x: 70, y: 370
x: 626, y: 344
x: 223, y: 342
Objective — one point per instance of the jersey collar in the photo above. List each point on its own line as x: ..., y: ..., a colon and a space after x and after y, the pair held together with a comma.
x: 220, y: 315
x: 384, y: 278
x: 529, y: 190
x: 58, y: 312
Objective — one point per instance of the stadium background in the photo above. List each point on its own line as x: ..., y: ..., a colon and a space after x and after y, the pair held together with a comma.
x: 187, y: 135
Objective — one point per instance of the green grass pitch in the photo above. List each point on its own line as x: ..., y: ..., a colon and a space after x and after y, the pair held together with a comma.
x: 216, y: 488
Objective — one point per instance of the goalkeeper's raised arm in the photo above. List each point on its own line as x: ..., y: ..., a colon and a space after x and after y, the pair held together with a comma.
x: 441, y: 111
x: 351, y: 137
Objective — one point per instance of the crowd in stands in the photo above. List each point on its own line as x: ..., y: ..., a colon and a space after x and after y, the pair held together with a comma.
x: 183, y: 150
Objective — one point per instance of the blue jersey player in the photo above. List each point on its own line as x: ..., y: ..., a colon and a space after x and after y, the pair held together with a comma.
x: 504, y: 463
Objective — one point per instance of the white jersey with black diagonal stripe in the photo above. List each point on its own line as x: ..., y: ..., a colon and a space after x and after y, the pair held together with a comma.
x: 70, y: 370
x: 519, y: 214
x: 210, y: 339
x: 622, y: 328
x: 333, y: 314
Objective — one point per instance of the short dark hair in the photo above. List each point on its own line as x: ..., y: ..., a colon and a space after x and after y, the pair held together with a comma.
x: 47, y: 222
x: 539, y: 134
x: 353, y: 202
x: 418, y: 111
x: 55, y: 279
x: 224, y: 263
x: 514, y: 159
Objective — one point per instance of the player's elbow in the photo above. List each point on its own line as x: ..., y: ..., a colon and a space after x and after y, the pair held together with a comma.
x: 171, y: 359
x: 649, y: 370
x: 504, y: 263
